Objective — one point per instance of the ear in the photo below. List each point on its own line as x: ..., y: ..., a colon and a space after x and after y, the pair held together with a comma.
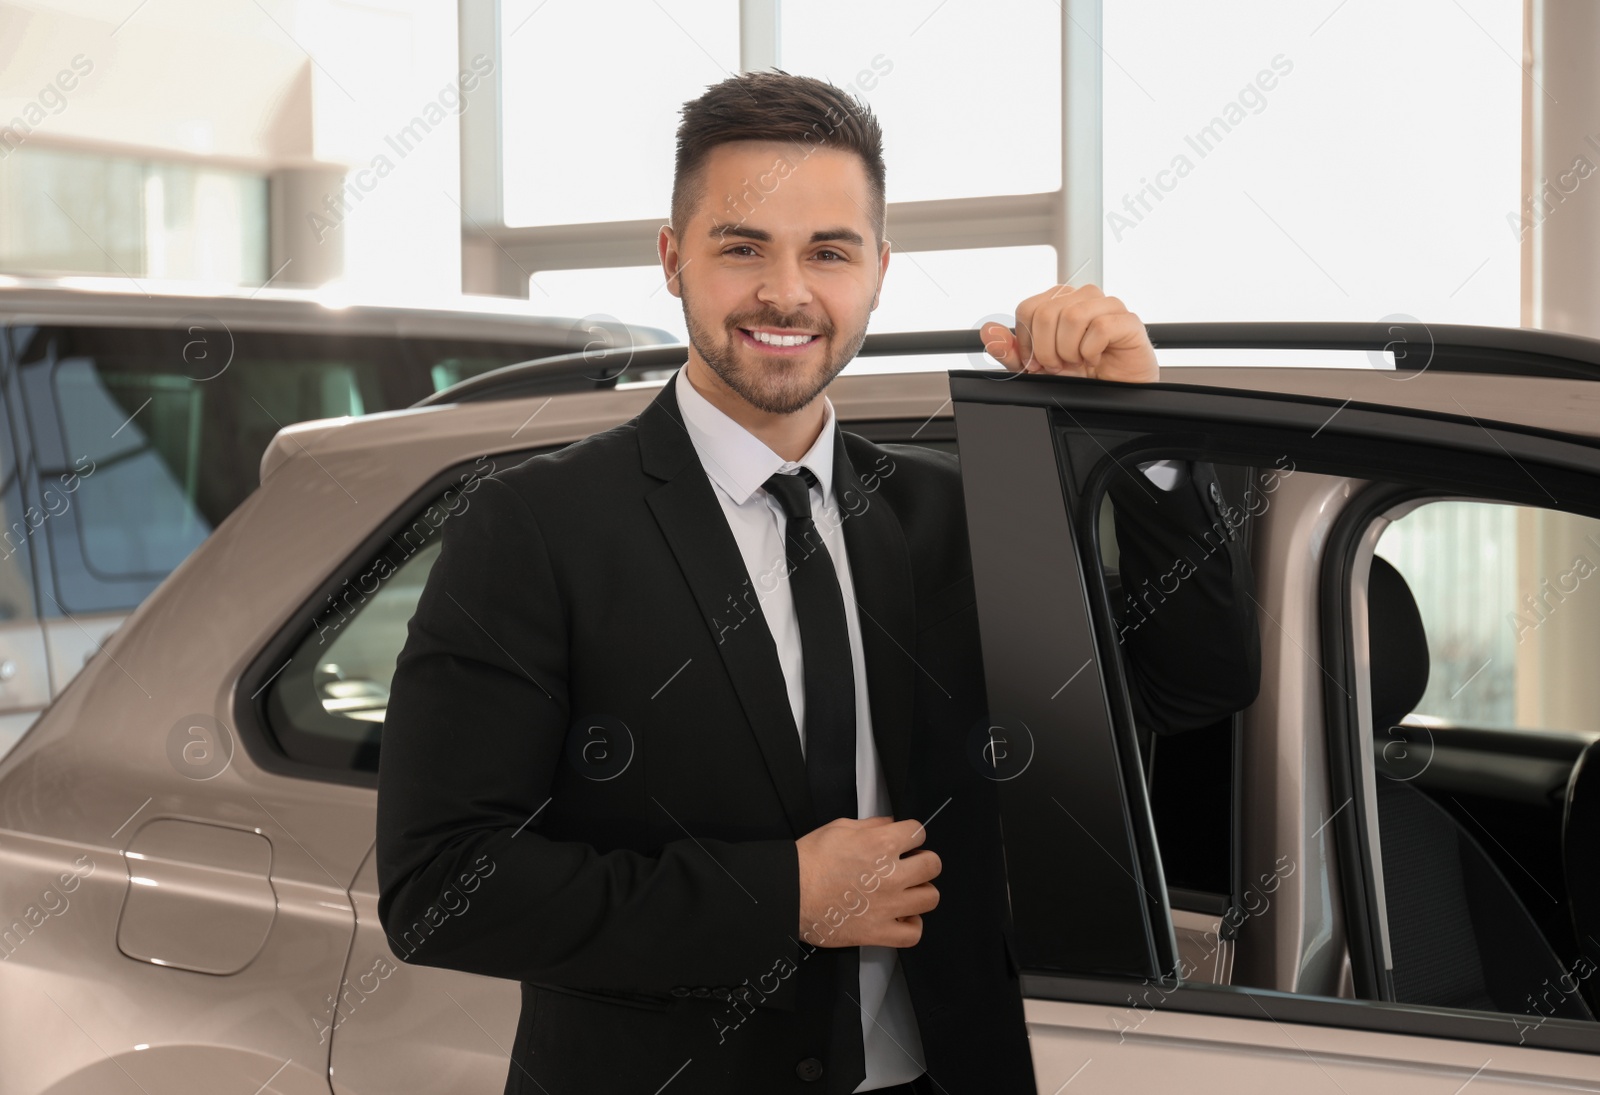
x: 667, y: 248
x: 883, y: 269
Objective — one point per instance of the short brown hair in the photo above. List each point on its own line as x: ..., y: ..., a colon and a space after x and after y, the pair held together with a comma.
x: 775, y: 106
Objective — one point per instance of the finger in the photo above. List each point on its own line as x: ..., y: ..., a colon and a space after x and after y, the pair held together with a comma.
x: 1045, y: 316
x: 914, y: 869
x: 1001, y: 344
x: 1077, y: 356
x: 918, y: 900
x: 910, y: 933
x: 1084, y: 316
x: 914, y: 833
x: 1024, y: 331
x: 1119, y: 329
x: 923, y: 865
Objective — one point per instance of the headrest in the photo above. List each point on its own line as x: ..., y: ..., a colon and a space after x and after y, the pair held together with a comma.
x: 1398, y: 646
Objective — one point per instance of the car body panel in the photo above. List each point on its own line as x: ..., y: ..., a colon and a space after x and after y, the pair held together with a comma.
x: 1143, y: 1046
x: 401, y: 1028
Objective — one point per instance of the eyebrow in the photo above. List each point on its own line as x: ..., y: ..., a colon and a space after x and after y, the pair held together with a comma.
x: 825, y: 235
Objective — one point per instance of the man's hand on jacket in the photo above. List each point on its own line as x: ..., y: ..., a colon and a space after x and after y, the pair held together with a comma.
x: 856, y: 890
x: 1074, y: 332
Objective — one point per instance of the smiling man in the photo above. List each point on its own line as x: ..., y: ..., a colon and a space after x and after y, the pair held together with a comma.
x: 689, y: 699
x: 779, y: 200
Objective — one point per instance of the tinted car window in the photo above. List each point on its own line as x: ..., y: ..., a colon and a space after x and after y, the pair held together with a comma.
x: 174, y: 421
x: 20, y: 524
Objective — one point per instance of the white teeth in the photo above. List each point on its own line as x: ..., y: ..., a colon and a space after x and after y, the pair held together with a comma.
x: 781, y: 340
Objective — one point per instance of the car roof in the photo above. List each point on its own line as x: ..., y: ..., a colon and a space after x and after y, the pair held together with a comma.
x: 119, y: 302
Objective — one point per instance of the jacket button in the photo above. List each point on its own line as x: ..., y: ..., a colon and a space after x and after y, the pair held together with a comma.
x: 809, y: 1069
x: 1216, y: 494
x: 680, y: 990
x: 701, y: 990
x: 721, y: 992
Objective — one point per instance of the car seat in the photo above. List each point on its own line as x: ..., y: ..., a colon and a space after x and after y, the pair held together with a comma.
x: 1459, y: 935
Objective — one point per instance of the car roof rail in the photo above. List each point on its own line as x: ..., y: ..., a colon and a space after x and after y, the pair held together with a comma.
x: 1440, y: 347
x: 592, y: 370
x: 1417, y: 346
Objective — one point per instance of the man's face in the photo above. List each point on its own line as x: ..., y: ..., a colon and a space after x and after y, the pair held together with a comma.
x: 780, y: 250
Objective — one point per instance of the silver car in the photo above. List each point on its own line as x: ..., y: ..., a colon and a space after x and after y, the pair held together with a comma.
x: 1379, y: 877
x: 132, y: 424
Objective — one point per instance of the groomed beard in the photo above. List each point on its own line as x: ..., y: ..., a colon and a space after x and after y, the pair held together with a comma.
x: 778, y: 388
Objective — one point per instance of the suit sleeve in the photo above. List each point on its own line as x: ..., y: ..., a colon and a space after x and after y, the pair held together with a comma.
x: 1186, y: 619
x: 475, y: 732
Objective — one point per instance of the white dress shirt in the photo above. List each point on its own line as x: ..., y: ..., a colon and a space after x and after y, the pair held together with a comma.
x: 737, y: 463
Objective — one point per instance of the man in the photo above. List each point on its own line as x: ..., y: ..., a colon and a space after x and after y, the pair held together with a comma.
x: 667, y: 690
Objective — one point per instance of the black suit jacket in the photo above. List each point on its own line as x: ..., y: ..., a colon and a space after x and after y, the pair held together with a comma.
x: 635, y: 878
x: 591, y: 781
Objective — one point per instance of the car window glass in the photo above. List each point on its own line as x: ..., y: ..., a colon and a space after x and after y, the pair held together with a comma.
x: 1508, y: 599
x: 18, y: 525
x: 452, y: 370
x: 174, y: 422
x: 328, y: 704
x: 1189, y: 771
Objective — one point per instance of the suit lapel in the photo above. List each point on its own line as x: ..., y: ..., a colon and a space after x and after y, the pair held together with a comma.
x: 880, y: 570
x: 686, y: 509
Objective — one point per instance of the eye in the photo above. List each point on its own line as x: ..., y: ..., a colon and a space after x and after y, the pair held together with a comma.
x: 739, y: 247
x: 832, y: 252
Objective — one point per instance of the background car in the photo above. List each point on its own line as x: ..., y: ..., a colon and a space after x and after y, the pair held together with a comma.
x: 134, y: 423
x: 187, y: 886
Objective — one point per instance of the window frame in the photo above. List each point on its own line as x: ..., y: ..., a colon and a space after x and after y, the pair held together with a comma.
x: 252, y: 718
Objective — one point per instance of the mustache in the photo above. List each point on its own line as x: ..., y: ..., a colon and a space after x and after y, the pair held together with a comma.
x: 774, y: 319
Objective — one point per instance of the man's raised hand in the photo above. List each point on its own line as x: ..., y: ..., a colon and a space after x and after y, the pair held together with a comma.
x: 1074, y: 332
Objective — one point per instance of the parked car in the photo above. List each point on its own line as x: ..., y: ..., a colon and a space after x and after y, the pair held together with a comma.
x: 133, y: 425
x: 188, y: 897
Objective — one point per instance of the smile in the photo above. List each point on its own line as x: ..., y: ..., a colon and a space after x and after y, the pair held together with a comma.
x: 774, y: 342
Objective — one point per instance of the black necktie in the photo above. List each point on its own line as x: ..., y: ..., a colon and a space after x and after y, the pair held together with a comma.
x: 830, y: 683
x: 830, y: 748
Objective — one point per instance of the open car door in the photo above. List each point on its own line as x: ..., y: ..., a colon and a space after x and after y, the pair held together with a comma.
x: 1380, y: 871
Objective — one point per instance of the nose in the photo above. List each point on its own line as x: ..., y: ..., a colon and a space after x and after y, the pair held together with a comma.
x: 785, y: 287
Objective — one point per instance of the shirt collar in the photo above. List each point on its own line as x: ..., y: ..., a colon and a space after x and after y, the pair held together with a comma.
x: 738, y: 461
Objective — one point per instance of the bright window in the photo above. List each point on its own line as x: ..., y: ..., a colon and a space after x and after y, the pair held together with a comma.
x: 1328, y: 161
x: 968, y: 91
x: 592, y: 94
